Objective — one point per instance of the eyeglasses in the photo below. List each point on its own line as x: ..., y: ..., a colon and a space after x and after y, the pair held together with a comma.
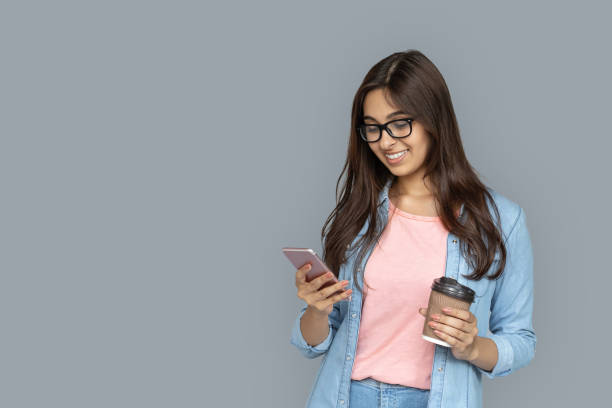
x: 398, y: 128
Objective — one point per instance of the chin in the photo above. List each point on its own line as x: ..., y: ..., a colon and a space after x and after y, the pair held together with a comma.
x: 401, y: 171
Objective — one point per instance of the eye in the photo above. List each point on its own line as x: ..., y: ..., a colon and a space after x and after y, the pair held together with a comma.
x: 401, y: 124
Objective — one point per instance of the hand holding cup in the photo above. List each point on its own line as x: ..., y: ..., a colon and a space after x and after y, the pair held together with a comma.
x: 457, y: 327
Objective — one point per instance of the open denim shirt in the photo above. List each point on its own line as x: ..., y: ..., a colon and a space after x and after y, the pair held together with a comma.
x: 454, y: 383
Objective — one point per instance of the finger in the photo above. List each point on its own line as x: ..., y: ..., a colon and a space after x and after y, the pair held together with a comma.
x: 316, y: 284
x: 422, y: 311
x: 457, y: 334
x: 447, y: 338
x: 331, y: 289
x: 460, y: 314
x: 336, y: 298
x: 300, y: 275
x: 455, y: 323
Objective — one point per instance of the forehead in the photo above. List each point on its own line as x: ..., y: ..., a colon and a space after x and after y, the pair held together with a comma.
x: 378, y: 104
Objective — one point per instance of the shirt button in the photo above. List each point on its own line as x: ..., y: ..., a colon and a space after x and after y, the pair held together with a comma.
x: 440, y: 369
x: 454, y: 241
x: 342, y: 401
x: 348, y: 357
x: 354, y: 315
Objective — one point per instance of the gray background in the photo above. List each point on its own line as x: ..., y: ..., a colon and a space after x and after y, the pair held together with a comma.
x: 157, y: 155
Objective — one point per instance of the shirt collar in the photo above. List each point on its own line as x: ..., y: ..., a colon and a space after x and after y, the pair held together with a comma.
x: 384, y: 194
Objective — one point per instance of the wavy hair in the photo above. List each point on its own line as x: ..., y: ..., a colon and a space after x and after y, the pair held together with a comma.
x: 413, y: 83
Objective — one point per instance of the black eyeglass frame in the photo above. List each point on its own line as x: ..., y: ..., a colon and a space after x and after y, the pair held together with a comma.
x: 361, y: 129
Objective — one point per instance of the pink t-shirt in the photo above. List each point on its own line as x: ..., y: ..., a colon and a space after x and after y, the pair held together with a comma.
x: 410, y: 254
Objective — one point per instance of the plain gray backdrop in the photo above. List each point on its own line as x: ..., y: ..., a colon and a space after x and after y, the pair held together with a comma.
x: 156, y: 156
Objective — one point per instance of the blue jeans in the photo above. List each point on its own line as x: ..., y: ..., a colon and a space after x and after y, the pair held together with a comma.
x: 371, y: 393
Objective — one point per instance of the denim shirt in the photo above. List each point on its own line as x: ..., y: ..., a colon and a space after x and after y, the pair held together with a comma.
x: 454, y: 383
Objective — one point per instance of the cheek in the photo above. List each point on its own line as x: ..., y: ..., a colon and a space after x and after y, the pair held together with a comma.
x: 379, y: 154
x: 419, y: 153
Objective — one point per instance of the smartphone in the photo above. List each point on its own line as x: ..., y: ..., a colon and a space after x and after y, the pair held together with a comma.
x: 301, y: 256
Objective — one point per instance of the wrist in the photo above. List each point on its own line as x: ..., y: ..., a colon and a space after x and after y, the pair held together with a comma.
x: 475, y: 349
x: 317, y: 313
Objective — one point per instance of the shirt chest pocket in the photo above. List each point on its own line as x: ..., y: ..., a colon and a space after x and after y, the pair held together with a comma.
x: 483, y: 287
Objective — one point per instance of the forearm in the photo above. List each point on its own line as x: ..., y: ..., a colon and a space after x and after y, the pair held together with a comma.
x: 485, y: 353
x: 314, y: 326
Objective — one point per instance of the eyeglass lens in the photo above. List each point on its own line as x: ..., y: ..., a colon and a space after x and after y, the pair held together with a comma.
x: 398, y: 128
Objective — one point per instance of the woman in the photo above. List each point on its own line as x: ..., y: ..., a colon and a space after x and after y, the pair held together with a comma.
x: 412, y: 209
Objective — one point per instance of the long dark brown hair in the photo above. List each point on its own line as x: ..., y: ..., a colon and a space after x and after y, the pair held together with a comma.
x: 412, y: 83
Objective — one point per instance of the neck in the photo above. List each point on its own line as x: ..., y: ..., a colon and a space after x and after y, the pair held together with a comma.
x: 412, y: 185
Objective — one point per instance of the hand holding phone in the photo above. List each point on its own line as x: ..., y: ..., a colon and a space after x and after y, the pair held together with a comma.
x: 316, y: 284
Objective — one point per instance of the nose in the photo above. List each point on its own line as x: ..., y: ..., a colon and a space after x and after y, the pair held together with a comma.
x: 386, y: 141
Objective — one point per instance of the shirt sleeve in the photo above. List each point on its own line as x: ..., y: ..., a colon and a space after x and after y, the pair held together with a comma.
x: 297, y: 339
x: 334, y: 320
x: 510, y: 322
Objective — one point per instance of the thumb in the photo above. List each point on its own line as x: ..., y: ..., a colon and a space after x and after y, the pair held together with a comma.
x: 422, y: 311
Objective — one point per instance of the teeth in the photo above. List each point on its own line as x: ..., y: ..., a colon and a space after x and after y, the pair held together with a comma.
x: 395, y: 156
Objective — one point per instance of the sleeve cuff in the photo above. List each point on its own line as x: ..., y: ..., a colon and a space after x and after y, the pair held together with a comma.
x: 505, y: 356
x: 297, y: 339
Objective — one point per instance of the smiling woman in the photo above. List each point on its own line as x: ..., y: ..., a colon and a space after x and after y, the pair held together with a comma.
x: 403, y: 149
x: 392, y: 145
x: 405, y: 158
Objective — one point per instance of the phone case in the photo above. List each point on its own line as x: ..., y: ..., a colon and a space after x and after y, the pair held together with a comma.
x: 301, y: 256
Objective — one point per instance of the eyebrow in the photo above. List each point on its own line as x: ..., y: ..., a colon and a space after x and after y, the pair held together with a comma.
x: 389, y: 116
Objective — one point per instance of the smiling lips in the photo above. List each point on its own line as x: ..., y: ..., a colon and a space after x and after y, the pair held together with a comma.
x: 396, y: 155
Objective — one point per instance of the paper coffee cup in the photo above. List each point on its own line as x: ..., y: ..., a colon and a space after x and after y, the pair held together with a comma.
x: 445, y: 292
